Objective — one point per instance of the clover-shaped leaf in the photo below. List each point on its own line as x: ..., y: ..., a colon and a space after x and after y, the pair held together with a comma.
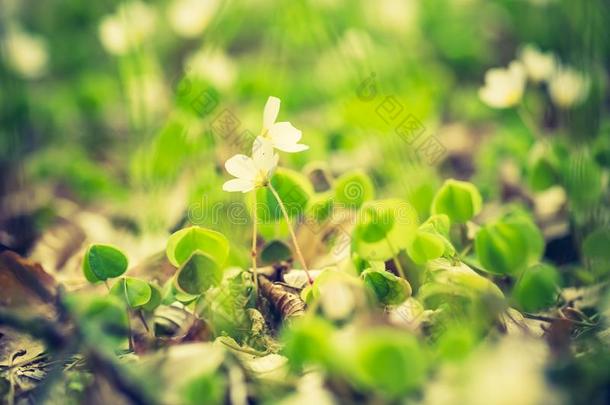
x: 383, y: 228
x: 275, y: 251
x: 102, y: 262
x: 537, y: 288
x: 352, y: 189
x: 509, y: 245
x: 182, y: 244
x: 459, y: 200
x: 426, y: 246
x: 388, y: 288
x: 135, y: 292
x: 198, y: 274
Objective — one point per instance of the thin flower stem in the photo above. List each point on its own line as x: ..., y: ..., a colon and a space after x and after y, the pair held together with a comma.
x: 292, y: 234
x: 253, y: 252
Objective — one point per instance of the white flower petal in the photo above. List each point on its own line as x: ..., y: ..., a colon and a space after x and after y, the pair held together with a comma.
x: 238, y: 185
x: 284, y: 132
x: 241, y: 166
x: 262, y: 153
x: 292, y: 147
x: 272, y: 109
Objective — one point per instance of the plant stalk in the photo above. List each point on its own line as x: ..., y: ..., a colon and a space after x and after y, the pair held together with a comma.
x: 253, y: 251
x: 292, y: 234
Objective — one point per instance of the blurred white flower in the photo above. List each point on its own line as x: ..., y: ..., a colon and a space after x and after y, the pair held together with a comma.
x: 538, y: 65
x: 27, y: 54
x: 127, y: 28
x: 251, y: 172
x: 568, y: 87
x: 282, y: 135
x: 503, y: 87
x: 337, y: 300
x: 188, y: 18
x: 214, y: 66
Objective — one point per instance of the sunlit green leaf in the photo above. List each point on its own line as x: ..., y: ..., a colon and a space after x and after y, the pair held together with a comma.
x: 352, y: 189
x: 459, y: 200
x: 102, y: 262
x: 182, y: 244
x: 136, y: 293
x: 198, y: 274
x: 383, y: 228
x: 388, y: 288
x: 537, y: 288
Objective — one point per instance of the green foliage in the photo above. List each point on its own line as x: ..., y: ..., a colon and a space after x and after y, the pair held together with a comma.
x: 537, y: 288
x: 455, y: 284
x: 102, y: 262
x: 320, y: 206
x: 459, y: 200
x: 582, y: 179
x: 182, y: 244
x: 426, y: 246
x: 383, y: 228
x: 294, y: 190
x: 509, y: 244
x: 134, y: 292
x: 390, y: 362
x: 596, y: 249
x: 102, y: 319
x: 208, y: 388
x: 387, y: 288
x: 307, y: 341
x: 352, y: 189
x: 198, y: 274
x: 275, y: 252
x: 225, y: 307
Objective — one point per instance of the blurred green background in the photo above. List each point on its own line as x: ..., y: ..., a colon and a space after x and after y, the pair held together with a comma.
x: 113, y: 104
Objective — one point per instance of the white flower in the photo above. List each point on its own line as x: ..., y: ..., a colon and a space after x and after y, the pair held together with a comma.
x: 127, y: 28
x: 503, y: 87
x: 251, y: 172
x: 538, y: 65
x: 282, y: 135
x: 188, y: 18
x: 26, y: 53
x: 568, y: 87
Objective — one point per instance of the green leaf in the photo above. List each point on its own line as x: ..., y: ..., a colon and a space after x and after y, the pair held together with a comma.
x: 182, y: 244
x: 388, y: 288
x: 198, y: 274
x: 102, y: 262
x: 582, y: 179
x: 307, y: 341
x: 320, y: 206
x: 597, y: 244
x: 275, y: 252
x: 155, y: 298
x: 426, y: 246
x: 537, y: 288
x: 543, y: 167
x: 455, y: 283
x: 135, y: 292
x: 459, y: 200
x: 389, y: 361
x: 353, y: 189
x: 294, y: 190
x: 383, y: 228
x: 102, y: 319
x: 510, y: 244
